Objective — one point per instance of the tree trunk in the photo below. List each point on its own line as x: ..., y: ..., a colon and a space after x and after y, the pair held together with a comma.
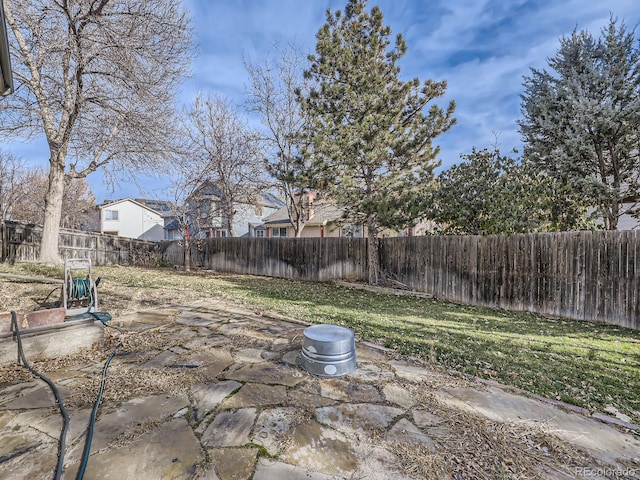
x: 372, y: 254
x: 3, y: 239
x: 49, y: 252
x: 187, y: 255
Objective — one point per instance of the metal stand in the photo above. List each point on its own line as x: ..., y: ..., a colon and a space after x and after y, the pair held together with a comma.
x: 79, y: 293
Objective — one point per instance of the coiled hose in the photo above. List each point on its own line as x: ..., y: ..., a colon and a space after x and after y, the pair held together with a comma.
x: 79, y: 288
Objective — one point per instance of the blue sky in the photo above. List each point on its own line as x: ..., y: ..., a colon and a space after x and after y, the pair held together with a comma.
x: 482, y: 48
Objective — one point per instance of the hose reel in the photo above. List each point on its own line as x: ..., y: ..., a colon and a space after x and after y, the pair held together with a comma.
x: 79, y: 291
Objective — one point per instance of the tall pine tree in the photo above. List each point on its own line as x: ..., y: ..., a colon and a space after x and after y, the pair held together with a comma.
x: 580, y: 120
x: 373, y: 147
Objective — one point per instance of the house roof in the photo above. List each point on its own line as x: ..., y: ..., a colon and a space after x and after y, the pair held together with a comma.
x: 209, y: 188
x: 163, y: 207
x: 265, y: 198
x: 172, y: 225
x: 270, y: 200
x: 111, y: 203
x: 323, y: 213
x: 279, y: 217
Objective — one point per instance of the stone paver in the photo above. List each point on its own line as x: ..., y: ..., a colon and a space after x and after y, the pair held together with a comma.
x: 148, y: 456
x: 35, y: 394
x: 36, y: 463
x: 116, y: 420
x: 364, y: 416
x: 251, y: 355
x: 230, y: 428
x: 233, y: 463
x: 256, y: 394
x: 600, y: 440
x: 320, y: 449
x: 406, y: 432
x: 268, y: 373
x: 301, y: 398
x: 398, y: 395
x: 272, y: 470
x: 14, y: 444
x: 251, y: 412
x: 211, y: 363
x: 349, y: 392
x: 206, y: 396
x: 163, y: 359
x: 272, y: 427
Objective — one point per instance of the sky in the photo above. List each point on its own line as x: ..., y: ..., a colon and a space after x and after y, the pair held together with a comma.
x: 482, y: 48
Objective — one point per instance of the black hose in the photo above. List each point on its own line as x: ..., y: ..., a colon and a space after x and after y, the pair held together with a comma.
x: 87, y: 445
x: 42, y: 304
x: 56, y: 393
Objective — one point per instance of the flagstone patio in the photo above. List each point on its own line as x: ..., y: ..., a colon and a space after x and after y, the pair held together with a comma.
x: 215, y: 391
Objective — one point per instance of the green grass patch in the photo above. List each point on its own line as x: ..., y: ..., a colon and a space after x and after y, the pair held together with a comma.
x: 591, y: 365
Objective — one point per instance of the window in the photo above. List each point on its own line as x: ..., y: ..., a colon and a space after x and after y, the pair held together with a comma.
x: 111, y: 214
x: 279, y: 232
x: 259, y: 233
x: 350, y: 230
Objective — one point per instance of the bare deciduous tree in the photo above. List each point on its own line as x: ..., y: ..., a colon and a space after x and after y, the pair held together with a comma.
x: 78, y: 201
x: 98, y: 79
x: 226, y: 154
x: 13, y: 174
x: 275, y: 85
x: 185, y: 181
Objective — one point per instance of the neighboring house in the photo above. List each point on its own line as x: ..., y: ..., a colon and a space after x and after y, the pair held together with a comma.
x: 167, y: 211
x: 173, y: 231
x: 249, y: 218
x: 628, y: 221
x: 129, y: 218
x: 276, y: 225
x: 323, y: 220
x: 204, y: 208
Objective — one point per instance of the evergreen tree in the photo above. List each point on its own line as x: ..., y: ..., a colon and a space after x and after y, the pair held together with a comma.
x: 489, y: 193
x: 581, y: 119
x: 372, y: 139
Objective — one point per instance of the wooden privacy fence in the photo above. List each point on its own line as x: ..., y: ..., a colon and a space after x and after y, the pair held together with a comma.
x: 581, y: 275
x: 314, y: 259
x: 21, y: 243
